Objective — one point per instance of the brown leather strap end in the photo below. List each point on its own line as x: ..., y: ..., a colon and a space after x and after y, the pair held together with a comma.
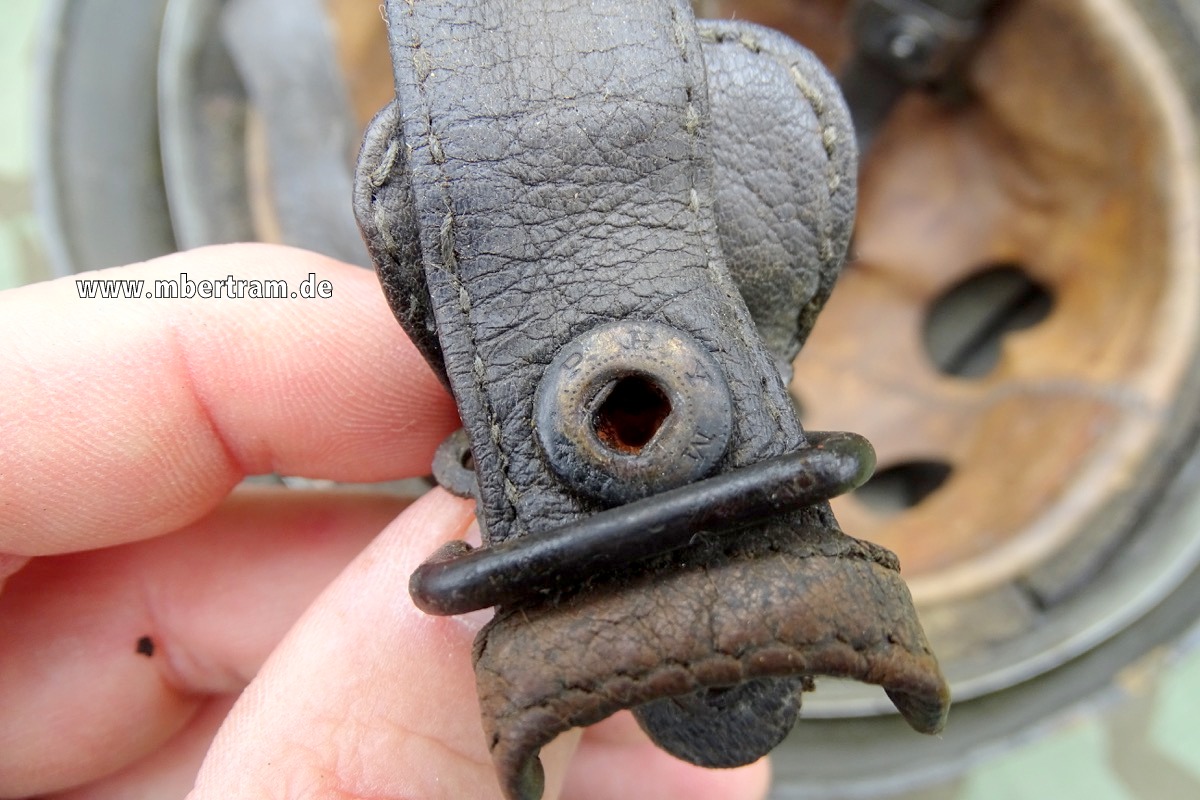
x: 545, y: 669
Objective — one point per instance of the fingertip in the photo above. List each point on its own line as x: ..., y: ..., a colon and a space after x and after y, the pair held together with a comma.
x: 158, y: 406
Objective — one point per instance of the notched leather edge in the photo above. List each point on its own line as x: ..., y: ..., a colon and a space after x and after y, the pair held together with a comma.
x: 544, y: 669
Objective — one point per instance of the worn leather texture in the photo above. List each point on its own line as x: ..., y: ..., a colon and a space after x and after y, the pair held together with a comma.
x: 549, y: 203
x: 786, y: 173
x: 785, y: 179
x: 550, y: 167
x: 795, y: 602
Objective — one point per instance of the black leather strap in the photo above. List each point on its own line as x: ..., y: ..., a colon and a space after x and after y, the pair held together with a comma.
x: 556, y: 196
x: 550, y: 201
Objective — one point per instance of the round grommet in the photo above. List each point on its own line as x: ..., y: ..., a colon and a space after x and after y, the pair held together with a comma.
x: 632, y: 408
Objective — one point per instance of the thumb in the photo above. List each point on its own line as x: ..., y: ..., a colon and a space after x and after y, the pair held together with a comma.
x: 368, y: 696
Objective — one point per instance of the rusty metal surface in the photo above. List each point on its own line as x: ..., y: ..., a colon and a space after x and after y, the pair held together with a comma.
x: 632, y: 408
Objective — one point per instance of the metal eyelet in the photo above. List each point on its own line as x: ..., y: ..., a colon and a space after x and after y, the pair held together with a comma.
x: 630, y: 409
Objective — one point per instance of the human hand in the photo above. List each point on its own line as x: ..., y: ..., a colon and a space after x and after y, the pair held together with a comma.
x: 161, y: 630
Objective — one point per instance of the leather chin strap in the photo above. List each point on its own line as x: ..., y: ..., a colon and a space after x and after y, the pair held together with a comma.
x: 610, y: 228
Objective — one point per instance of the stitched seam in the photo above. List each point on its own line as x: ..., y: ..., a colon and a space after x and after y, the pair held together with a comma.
x: 449, y: 264
x: 720, y: 279
x: 691, y: 125
x: 691, y: 117
x: 376, y: 179
x: 809, y: 660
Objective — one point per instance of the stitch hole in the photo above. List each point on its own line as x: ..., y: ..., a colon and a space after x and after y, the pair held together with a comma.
x: 631, y: 413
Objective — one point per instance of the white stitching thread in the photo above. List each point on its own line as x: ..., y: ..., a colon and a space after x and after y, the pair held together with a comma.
x: 423, y: 67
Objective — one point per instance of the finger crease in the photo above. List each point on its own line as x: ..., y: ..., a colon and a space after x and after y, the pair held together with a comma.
x: 203, y: 409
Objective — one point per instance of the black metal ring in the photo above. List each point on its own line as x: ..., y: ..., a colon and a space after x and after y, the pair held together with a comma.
x: 832, y: 464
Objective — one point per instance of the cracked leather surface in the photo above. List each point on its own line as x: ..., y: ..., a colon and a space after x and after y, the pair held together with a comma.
x: 580, y: 199
x: 819, y: 605
x: 785, y: 177
x: 786, y: 170
x: 552, y: 166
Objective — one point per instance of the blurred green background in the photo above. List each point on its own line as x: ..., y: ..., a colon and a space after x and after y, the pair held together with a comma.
x: 21, y: 260
x: 1139, y: 740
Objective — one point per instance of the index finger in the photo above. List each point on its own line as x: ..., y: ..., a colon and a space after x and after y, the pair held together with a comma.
x: 122, y: 419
